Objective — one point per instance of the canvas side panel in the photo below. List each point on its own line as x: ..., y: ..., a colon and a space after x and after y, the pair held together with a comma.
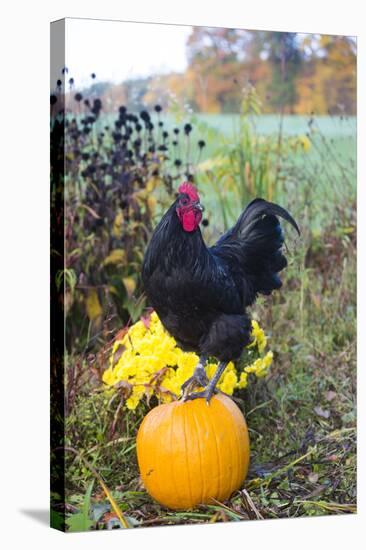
x: 57, y: 179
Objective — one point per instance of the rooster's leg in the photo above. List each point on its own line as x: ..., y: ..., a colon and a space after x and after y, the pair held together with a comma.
x: 210, y: 389
x: 199, y: 378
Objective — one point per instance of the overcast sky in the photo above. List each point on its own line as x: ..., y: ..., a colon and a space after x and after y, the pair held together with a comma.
x: 116, y: 50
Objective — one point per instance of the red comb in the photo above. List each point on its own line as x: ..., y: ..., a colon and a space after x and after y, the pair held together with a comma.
x: 189, y: 190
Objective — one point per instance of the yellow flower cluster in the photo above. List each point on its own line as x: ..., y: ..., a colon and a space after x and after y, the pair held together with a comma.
x: 259, y: 338
x: 149, y: 361
x: 305, y: 142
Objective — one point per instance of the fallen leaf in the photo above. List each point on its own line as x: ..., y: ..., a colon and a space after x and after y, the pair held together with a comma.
x: 330, y: 395
x: 321, y: 412
x: 100, y: 509
x: 313, y: 477
x: 332, y: 458
x: 130, y: 285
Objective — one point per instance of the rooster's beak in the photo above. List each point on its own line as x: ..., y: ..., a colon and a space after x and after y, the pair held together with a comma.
x: 199, y: 207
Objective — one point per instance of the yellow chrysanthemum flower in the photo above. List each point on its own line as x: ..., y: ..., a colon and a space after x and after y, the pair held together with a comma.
x: 229, y: 382
x: 243, y: 381
x: 260, y: 366
x: 109, y: 377
x: 259, y: 338
x: 135, y: 398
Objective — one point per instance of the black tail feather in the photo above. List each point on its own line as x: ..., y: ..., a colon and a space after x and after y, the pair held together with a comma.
x: 254, y: 246
x: 261, y: 207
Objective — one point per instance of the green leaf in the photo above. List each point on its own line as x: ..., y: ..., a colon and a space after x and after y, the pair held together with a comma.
x: 81, y: 521
x: 67, y: 277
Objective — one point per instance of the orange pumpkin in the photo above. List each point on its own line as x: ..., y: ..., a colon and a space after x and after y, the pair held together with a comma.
x: 190, y: 453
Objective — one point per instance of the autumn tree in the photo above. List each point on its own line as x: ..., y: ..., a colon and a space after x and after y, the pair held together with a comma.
x: 223, y: 60
x: 215, y: 57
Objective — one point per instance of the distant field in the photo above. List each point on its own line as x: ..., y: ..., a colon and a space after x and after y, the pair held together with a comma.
x: 330, y: 126
x: 292, y: 124
x: 340, y: 132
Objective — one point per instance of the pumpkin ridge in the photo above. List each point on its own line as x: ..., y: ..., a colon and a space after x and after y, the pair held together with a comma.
x: 203, y: 485
x: 157, y: 449
x: 226, y: 411
x: 217, y: 453
x: 240, y: 461
x: 242, y: 457
x: 170, y: 443
x: 245, y: 438
x: 186, y: 449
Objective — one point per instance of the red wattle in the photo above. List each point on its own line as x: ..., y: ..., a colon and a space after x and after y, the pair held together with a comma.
x: 189, y: 221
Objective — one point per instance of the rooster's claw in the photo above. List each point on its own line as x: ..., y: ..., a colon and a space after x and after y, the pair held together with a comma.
x: 198, y: 380
x: 206, y: 394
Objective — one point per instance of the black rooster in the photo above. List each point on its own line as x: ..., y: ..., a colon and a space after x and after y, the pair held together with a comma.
x: 201, y: 294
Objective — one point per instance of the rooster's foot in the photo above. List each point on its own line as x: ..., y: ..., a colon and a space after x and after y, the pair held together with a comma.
x: 198, y: 380
x: 207, y: 393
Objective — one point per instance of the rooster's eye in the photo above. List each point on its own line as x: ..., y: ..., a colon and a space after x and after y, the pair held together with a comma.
x: 184, y: 201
